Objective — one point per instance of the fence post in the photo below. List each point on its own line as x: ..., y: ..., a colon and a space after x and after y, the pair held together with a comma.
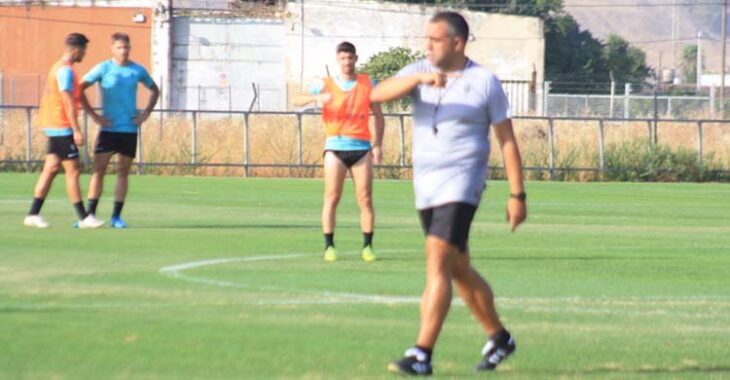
x: 194, y: 142
x: 601, y: 146
x: 245, y: 144
x: 2, y: 95
x: 12, y: 90
x: 38, y: 90
x: 669, y: 107
x: 28, y: 142
x: 551, y: 139
x: 140, y: 160
x: 402, y: 131
x: 87, y: 161
x: 649, y: 134
x: 161, y: 105
x: 627, y: 102
x: 199, y: 88
x: 700, y: 147
x: 712, y: 101
x: 612, y: 99
x: 299, y: 138
x: 545, y: 96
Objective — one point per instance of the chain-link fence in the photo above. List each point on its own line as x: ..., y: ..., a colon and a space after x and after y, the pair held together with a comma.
x: 634, y: 106
x: 290, y: 143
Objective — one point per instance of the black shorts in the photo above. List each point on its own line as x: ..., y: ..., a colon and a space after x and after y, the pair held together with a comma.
x: 115, y: 142
x: 350, y: 157
x: 450, y: 222
x: 64, y: 147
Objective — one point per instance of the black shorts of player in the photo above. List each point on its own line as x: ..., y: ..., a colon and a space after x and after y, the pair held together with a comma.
x: 115, y: 142
x: 350, y: 157
x: 64, y: 147
x: 450, y: 222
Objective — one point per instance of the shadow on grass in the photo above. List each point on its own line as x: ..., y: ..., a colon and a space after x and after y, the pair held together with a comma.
x: 481, y: 258
x: 261, y: 226
x: 719, y: 369
x: 230, y: 226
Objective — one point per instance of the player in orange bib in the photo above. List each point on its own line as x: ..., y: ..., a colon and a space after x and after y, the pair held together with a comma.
x: 346, y: 109
x: 59, y: 120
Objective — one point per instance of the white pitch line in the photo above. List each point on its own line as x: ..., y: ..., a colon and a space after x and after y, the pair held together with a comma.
x: 601, y: 305
x: 176, y: 271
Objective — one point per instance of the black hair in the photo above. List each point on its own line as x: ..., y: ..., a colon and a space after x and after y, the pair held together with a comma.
x: 456, y: 22
x: 346, y: 47
x: 76, y: 40
x: 119, y: 36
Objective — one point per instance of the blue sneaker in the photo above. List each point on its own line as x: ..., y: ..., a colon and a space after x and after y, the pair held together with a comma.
x: 118, y: 223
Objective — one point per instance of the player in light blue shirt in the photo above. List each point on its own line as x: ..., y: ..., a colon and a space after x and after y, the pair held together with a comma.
x: 455, y: 101
x: 118, y: 78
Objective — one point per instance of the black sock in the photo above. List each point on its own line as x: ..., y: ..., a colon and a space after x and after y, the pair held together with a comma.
x: 329, y: 240
x: 367, y: 239
x: 92, y: 205
x: 35, y: 207
x: 117, y: 209
x: 501, y: 337
x: 79, y: 206
x: 427, y: 351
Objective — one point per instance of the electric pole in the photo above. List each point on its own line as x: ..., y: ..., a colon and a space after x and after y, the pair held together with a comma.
x: 722, y: 64
x: 699, y: 61
x: 674, y: 35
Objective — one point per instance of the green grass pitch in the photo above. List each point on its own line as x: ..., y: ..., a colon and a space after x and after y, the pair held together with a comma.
x: 222, y: 278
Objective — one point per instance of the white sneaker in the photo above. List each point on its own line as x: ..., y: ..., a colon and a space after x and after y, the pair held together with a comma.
x: 35, y: 221
x: 90, y: 222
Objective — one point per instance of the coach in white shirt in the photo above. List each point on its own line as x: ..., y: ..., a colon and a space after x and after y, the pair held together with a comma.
x: 455, y: 101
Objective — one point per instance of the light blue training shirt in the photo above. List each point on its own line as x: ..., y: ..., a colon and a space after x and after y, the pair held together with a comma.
x: 341, y: 142
x: 451, y: 133
x: 119, y: 92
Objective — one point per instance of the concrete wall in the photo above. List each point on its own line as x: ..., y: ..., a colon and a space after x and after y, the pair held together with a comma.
x: 715, y: 80
x: 511, y: 46
x: 215, y: 61
x: 211, y: 62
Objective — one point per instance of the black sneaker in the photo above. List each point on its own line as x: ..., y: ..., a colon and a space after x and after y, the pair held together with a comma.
x: 415, y: 362
x: 495, y: 352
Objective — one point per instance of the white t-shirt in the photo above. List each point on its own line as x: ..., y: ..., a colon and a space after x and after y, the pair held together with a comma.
x: 451, y: 134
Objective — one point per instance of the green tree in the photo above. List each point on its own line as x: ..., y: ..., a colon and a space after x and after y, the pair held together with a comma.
x: 386, y: 64
x: 573, y: 57
x: 575, y: 61
x: 627, y: 63
x: 688, y: 64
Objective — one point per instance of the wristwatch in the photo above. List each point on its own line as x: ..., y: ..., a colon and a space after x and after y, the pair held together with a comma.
x: 519, y: 196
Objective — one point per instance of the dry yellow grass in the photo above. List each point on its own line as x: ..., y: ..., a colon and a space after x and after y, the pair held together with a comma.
x: 273, y: 140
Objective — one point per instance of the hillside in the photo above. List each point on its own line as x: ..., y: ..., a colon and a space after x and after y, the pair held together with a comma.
x: 649, y: 26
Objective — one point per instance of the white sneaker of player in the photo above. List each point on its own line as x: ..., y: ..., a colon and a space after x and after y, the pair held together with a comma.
x: 35, y: 221
x: 91, y: 222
